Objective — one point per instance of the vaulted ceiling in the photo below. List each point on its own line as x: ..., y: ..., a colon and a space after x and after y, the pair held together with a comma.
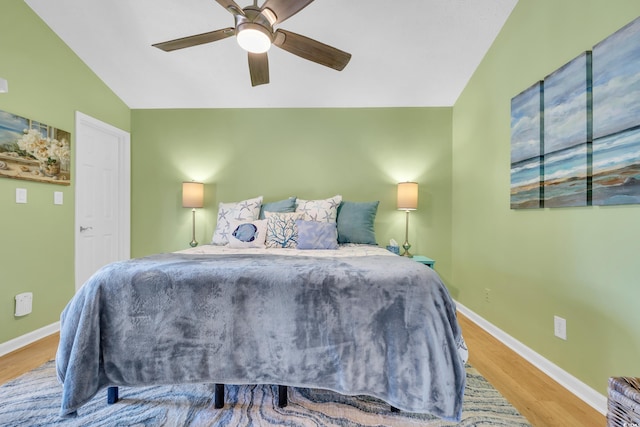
x: 411, y: 53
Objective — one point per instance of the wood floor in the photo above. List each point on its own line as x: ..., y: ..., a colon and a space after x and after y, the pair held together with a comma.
x: 16, y: 363
x: 544, y: 402
x: 536, y: 396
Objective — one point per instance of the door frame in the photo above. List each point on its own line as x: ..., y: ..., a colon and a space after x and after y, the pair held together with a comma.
x: 123, y: 212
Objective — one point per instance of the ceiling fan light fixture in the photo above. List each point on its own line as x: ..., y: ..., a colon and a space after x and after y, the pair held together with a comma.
x: 255, y: 34
x: 253, y: 38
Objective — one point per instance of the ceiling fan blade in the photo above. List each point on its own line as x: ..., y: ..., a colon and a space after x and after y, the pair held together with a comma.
x: 259, y: 68
x: 189, y: 41
x: 311, y: 50
x: 285, y: 9
x: 231, y: 6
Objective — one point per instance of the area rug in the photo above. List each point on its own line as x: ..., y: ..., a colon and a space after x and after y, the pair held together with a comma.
x: 34, y: 400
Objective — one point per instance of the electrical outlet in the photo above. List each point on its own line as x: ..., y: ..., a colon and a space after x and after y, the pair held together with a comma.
x: 24, y: 303
x: 487, y: 295
x: 560, y: 327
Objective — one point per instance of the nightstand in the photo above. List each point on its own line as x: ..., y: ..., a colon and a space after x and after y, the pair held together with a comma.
x: 424, y: 260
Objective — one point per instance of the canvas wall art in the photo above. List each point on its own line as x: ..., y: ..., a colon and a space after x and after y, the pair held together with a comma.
x: 565, y: 134
x: 616, y: 118
x: 590, y: 138
x: 33, y: 151
x: 526, y: 146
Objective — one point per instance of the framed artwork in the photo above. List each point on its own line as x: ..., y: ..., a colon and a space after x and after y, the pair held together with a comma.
x: 34, y: 151
x: 526, y: 148
x: 616, y: 118
x: 566, y: 136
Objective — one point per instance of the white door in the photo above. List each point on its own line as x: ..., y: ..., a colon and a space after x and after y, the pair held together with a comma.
x: 102, y: 189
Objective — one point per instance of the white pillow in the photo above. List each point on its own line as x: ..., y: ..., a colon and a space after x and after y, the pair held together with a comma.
x: 246, y: 210
x: 319, y: 210
x: 247, y: 234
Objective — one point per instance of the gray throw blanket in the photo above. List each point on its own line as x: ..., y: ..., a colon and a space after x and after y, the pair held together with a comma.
x: 383, y: 326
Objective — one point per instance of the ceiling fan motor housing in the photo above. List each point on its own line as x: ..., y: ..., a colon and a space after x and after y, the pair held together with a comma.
x: 255, y: 19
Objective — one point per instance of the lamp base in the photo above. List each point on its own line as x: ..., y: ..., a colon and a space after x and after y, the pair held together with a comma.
x: 193, y: 243
x: 406, y: 246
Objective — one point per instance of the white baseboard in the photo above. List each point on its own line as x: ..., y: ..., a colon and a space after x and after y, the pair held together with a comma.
x: 26, y: 339
x: 562, y: 377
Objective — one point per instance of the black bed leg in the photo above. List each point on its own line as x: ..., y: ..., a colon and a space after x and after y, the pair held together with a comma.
x: 282, y: 396
x: 394, y: 409
x: 219, y: 396
x: 112, y: 395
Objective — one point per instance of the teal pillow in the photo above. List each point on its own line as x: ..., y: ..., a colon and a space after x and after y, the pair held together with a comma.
x: 287, y: 205
x: 355, y: 222
x: 317, y: 235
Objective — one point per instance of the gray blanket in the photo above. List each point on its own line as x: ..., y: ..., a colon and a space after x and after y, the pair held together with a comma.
x: 383, y: 326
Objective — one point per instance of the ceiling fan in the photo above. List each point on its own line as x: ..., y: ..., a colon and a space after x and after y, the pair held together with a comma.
x: 255, y: 33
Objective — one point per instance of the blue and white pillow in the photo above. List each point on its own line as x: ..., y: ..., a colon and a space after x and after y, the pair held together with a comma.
x: 325, y: 210
x: 246, y: 210
x: 281, y: 229
x: 247, y: 234
x: 317, y: 235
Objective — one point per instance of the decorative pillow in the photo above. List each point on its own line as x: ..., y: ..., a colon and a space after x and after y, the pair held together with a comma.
x: 355, y: 222
x: 250, y: 234
x: 281, y: 229
x: 317, y: 235
x: 287, y: 205
x: 246, y: 210
x: 319, y: 210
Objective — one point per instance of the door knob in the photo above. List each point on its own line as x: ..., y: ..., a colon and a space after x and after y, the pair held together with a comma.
x: 85, y: 228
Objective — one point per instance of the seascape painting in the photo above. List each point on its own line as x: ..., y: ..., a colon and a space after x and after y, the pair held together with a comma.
x: 33, y: 151
x: 526, y: 134
x: 616, y: 118
x: 566, y: 150
x: 590, y: 137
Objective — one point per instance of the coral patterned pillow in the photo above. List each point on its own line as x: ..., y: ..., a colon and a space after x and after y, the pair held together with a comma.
x: 281, y: 229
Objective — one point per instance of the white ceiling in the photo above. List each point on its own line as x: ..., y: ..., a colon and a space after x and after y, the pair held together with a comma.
x: 410, y: 53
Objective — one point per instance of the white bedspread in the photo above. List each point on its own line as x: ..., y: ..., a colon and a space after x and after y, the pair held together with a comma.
x: 347, y: 250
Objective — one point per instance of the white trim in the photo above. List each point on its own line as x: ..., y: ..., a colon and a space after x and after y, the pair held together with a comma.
x: 26, y: 339
x: 584, y: 392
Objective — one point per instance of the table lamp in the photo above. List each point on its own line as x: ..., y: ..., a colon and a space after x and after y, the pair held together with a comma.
x: 192, y: 197
x: 407, y: 201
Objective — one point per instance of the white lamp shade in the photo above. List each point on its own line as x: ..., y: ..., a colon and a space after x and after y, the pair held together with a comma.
x: 4, y: 86
x: 408, y: 196
x: 192, y: 194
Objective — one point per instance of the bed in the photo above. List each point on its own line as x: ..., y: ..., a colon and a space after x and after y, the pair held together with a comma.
x: 357, y: 320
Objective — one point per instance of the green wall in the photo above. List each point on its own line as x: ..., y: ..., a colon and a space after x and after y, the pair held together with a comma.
x: 47, y: 83
x: 309, y: 153
x: 577, y: 263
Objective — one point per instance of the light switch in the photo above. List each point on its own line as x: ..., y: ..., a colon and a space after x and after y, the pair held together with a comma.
x: 57, y: 197
x: 21, y: 195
